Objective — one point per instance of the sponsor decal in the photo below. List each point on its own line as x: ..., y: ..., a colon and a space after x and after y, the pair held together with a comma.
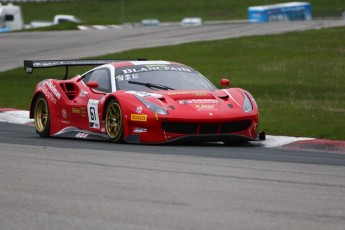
x: 198, y: 101
x: 195, y: 93
x: 52, y: 87
x: 65, y: 122
x: 75, y: 110
x: 205, y: 101
x: 92, y: 111
x: 64, y: 113
x: 204, y: 107
x: 28, y: 69
x: 81, y: 135
x: 128, y: 77
x: 83, y: 93
x: 139, y: 109
x: 139, y: 130
x: 102, y: 100
x: 49, y: 95
x: 145, y: 94
x: 83, y: 111
x: 138, y: 117
x: 147, y: 68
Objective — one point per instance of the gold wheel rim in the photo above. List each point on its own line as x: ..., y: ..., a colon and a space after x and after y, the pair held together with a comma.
x: 41, y: 115
x: 114, y: 120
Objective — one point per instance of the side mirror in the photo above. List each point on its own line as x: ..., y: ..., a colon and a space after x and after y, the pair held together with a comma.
x: 92, y: 84
x: 225, y: 82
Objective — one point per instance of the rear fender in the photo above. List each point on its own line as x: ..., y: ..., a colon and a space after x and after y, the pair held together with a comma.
x: 55, y: 110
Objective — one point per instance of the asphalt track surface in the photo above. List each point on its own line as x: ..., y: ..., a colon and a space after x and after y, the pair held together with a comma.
x: 74, y: 184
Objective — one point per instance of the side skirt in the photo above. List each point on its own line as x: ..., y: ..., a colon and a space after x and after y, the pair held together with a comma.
x: 73, y: 132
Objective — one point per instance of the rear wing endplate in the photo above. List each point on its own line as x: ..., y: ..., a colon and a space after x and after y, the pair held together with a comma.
x: 30, y: 65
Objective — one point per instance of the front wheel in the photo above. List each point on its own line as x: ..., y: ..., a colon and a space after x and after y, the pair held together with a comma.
x: 114, y: 122
x: 41, y: 116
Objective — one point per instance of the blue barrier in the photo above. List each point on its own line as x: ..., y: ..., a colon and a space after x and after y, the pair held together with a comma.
x: 280, y: 12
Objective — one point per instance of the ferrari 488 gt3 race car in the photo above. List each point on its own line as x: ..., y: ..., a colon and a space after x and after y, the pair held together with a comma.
x: 140, y: 101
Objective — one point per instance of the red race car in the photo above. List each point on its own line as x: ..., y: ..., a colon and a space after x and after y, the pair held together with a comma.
x: 140, y: 101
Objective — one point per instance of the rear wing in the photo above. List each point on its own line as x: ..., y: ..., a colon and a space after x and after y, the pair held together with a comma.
x: 30, y: 65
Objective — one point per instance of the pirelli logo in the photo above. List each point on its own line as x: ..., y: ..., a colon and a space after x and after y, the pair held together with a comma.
x: 138, y: 117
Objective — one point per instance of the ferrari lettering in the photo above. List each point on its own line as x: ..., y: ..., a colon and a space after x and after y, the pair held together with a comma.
x: 138, y: 117
x: 92, y: 109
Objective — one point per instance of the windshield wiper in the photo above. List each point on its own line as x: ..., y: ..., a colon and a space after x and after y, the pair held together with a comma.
x: 151, y: 85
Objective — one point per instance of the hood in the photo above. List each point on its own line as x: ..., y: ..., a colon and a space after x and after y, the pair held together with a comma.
x: 221, y: 102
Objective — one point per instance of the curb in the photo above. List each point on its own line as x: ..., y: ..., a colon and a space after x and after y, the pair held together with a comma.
x: 319, y: 145
x: 15, y: 116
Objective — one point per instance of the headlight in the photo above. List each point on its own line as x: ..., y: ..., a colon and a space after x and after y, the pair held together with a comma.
x: 247, y: 105
x: 152, y: 106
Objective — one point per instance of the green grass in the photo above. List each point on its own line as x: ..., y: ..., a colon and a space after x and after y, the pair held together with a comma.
x: 109, y: 11
x: 298, y: 79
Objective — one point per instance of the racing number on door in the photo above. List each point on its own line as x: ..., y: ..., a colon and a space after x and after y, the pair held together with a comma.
x: 92, y: 113
x: 92, y: 110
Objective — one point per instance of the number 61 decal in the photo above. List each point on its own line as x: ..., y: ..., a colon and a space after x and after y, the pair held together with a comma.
x: 92, y: 111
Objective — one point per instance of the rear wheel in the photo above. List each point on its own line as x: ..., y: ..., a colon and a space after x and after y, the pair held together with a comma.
x: 114, y: 122
x: 41, y: 116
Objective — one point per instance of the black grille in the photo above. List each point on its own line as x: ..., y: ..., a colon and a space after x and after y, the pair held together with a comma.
x: 178, y: 127
x: 233, y: 127
x: 206, y: 128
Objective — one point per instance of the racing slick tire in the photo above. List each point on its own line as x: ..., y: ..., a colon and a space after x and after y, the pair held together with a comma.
x: 42, y: 116
x: 114, y: 122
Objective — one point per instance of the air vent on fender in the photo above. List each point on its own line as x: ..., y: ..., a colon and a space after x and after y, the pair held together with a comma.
x: 70, y: 90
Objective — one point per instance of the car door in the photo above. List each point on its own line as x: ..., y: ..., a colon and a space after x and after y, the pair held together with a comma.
x: 85, y: 109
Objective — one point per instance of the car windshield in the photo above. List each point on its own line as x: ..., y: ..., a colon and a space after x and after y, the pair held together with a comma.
x: 160, y: 77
